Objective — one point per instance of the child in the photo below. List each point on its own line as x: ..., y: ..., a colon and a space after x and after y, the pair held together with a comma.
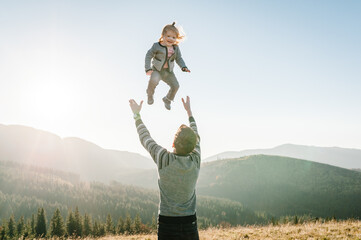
x: 163, y: 54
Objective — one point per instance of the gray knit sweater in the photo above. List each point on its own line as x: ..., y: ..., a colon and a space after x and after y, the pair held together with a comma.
x: 177, y: 175
x: 159, y: 54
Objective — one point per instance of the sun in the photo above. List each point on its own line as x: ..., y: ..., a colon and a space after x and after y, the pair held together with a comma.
x: 51, y: 99
x: 50, y: 89
x: 48, y: 104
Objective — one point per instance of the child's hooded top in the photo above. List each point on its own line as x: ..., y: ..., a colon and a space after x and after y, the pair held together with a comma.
x: 159, y: 54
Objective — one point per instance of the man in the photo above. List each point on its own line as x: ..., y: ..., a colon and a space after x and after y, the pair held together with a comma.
x: 177, y: 176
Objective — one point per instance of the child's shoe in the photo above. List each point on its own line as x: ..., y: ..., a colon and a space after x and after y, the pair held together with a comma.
x: 150, y: 100
x: 167, y: 103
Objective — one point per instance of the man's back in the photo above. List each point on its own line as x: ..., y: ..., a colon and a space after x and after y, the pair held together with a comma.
x: 177, y: 183
x: 177, y: 174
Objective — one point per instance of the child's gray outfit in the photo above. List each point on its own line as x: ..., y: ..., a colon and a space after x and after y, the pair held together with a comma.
x: 159, y: 54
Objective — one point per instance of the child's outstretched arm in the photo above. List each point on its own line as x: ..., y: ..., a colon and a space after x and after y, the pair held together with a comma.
x: 179, y: 60
x: 148, y: 58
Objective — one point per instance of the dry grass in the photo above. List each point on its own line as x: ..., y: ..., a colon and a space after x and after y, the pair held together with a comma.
x: 330, y: 230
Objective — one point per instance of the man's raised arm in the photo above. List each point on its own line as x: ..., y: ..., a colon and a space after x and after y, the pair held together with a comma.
x: 192, y: 122
x: 146, y: 140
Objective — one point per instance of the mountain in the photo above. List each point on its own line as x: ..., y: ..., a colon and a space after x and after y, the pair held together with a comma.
x: 25, y: 188
x: 36, y: 147
x: 277, y: 185
x: 340, y: 157
x: 284, y: 186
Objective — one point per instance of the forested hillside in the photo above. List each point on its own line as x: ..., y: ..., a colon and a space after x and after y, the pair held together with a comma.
x: 23, y: 189
x: 277, y: 185
x: 284, y: 186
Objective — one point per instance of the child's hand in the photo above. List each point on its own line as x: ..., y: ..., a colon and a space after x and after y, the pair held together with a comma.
x: 149, y: 72
x: 185, y: 69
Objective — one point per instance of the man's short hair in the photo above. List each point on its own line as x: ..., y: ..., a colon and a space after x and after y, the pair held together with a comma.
x: 185, y: 140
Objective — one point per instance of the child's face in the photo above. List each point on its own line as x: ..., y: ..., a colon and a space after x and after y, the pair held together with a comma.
x: 169, y: 38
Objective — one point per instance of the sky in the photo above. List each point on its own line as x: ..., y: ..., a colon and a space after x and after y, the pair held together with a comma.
x: 263, y: 73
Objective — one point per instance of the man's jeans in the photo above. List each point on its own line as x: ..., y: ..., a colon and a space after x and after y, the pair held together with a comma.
x: 177, y: 230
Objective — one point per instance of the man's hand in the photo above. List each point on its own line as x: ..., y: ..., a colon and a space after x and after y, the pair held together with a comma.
x: 149, y: 72
x: 135, y: 106
x: 187, y: 106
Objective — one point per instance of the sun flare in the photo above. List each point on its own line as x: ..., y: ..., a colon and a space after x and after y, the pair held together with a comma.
x: 49, y: 103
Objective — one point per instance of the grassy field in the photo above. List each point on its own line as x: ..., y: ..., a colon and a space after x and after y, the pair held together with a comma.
x: 330, y: 230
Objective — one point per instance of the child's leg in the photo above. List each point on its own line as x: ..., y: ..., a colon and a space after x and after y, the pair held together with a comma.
x: 152, y: 84
x: 172, y: 81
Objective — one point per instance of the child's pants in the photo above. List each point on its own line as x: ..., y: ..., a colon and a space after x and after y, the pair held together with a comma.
x: 167, y: 77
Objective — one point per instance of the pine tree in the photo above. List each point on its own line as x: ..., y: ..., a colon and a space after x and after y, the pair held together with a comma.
x: 70, y: 224
x: 57, y: 228
x: 109, y: 227
x: 120, y: 226
x: 2, y: 232
x: 78, y: 223
x: 21, y: 226
x: 40, y: 227
x: 128, y: 226
x: 295, y: 221
x: 11, y: 227
x: 274, y: 221
x: 87, y: 225
x: 32, y: 224
x: 27, y: 230
x: 137, y: 224
x: 96, y: 229
x: 154, y: 223
x: 101, y: 230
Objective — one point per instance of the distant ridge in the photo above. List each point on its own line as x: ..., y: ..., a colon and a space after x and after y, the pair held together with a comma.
x: 40, y: 148
x: 336, y: 156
